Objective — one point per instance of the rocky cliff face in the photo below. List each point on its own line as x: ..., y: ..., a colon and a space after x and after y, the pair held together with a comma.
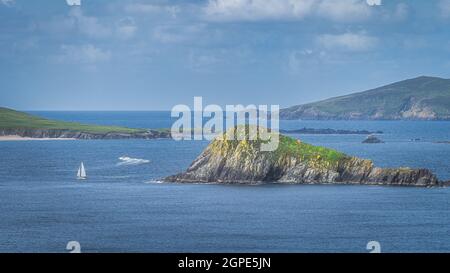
x: 414, y: 111
x: 241, y: 162
x: 47, y: 133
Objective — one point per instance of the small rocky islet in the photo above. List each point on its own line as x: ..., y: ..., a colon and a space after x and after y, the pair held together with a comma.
x: 294, y: 162
x: 371, y: 139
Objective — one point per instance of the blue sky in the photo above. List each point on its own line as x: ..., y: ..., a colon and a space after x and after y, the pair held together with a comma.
x: 151, y: 55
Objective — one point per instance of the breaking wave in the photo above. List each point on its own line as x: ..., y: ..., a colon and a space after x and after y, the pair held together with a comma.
x: 154, y: 182
x: 125, y: 160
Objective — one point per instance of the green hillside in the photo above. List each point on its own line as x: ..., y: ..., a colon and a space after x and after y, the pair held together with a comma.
x: 288, y: 147
x: 426, y: 98
x: 11, y: 119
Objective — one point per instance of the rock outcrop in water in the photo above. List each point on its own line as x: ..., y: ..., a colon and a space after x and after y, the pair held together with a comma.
x: 372, y: 140
x: 55, y: 133
x: 295, y: 162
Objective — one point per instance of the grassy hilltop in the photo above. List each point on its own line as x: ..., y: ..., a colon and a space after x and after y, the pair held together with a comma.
x: 11, y: 119
x: 422, y: 98
x: 288, y: 147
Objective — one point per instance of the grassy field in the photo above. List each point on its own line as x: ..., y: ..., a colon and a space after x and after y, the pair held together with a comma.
x: 304, y: 150
x: 316, y: 155
x: 11, y: 119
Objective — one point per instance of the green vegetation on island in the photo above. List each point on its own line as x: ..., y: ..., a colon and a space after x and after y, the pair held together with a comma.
x: 292, y: 147
x: 288, y: 147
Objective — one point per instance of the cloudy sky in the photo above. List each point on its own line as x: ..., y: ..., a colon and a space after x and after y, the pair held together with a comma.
x: 151, y: 55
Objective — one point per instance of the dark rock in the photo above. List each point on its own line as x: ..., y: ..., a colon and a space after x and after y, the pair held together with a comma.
x: 372, y: 140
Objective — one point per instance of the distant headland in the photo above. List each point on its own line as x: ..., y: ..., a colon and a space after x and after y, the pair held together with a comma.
x: 422, y: 98
x: 15, y: 125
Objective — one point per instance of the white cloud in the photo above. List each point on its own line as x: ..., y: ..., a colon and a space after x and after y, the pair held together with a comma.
x: 373, y: 2
x: 126, y: 28
x: 203, y: 62
x: 73, y: 2
x: 344, y: 10
x: 76, y: 22
x: 141, y: 8
x: 444, y: 7
x: 415, y: 42
x: 92, y: 27
x: 89, y: 25
x: 214, y: 60
x: 255, y: 10
x: 401, y: 11
x: 8, y: 3
x: 347, y: 41
x: 297, y: 60
x: 176, y: 33
x: 82, y: 54
x: 28, y: 44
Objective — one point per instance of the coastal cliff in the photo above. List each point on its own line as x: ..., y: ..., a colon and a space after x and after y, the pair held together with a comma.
x: 294, y: 162
x: 16, y: 123
x: 62, y: 133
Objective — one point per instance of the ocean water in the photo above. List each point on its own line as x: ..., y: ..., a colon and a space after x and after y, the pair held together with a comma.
x: 123, y: 208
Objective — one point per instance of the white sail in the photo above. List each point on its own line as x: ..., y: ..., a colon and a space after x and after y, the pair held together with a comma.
x: 81, y: 174
x: 83, y: 171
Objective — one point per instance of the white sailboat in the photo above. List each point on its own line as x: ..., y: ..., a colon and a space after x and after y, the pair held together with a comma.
x: 81, y: 174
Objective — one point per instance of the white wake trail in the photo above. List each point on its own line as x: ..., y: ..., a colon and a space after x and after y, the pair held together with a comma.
x: 125, y: 160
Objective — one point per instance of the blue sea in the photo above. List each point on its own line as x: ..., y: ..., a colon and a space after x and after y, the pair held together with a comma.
x: 123, y: 207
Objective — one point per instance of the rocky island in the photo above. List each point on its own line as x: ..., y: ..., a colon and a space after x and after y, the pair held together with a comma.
x: 294, y: 162
x: 372, y: 140
x: 23, y: 125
